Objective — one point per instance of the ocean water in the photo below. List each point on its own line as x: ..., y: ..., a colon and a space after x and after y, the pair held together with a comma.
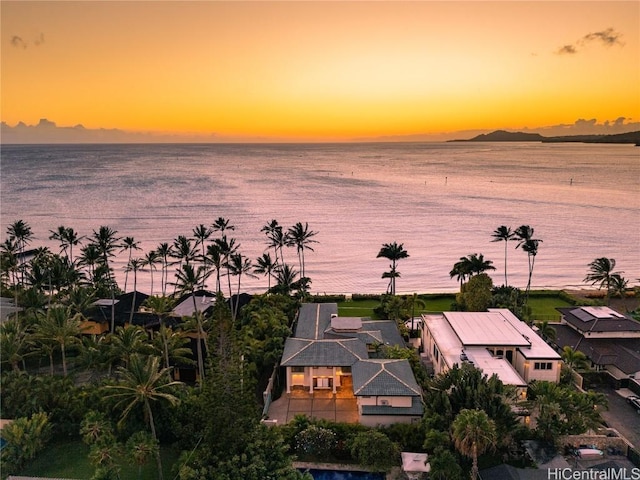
x: 442, y: 201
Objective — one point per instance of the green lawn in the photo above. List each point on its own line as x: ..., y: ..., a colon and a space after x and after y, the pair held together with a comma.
x: 68, y: 459
x: 543, y: 305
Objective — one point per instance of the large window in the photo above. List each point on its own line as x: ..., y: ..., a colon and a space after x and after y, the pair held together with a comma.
x: 297, y: 369
x: 542, y: 365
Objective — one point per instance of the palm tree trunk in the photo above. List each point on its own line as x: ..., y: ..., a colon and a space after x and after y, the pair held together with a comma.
x: 506, y: 284
x: 199, y: 339
x: 474, y: 466
x: 153, y: 434
x: 64, y: 359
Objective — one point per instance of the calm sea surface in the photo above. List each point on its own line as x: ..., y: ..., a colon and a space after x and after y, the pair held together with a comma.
x: 441, y: 200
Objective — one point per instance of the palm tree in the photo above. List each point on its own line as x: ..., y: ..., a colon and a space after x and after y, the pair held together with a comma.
x: 172, y: 345
x: 201, y: 233
x: 574, y: 358
x: 527, y: 243
x: 127, y: 342
x: 68, y: 238
x: 106, y: 242
x: 285, y: 279
x: 90, y: 257
x: 266, y: 266
x: 60, y: 326
x: 618, y: 287
x: 187, y: 281
x: 461, y: 270
x: 140, y: 448
x: 134, y: 265
x: 214, y: 258
x: 143, y: 382
x: 128, y: 244
x: 151, y: 258
x: 164, y: 252
x: 393, y: 252
x: 20, y: 232
x: 473, y: 434
x: 277, y: 239
x: 478, y: 265
x: 547, y: 331
x: 227, y: 247
x: 300, y: 236
x: 14, y: 340
x: 601, y: 272
x: 238, y: 265
x: 504, y: 234
x: 221, y: 224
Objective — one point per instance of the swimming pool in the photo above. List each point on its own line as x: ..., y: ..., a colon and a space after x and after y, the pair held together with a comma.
x: 343, y: 475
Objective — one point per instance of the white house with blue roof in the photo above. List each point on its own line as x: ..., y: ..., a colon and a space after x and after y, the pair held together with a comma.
x: 328, y: 352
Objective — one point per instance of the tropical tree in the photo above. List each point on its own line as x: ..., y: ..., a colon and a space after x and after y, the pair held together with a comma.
x: 20, y: 232
x: 127, y: 342
x: 547, y: 331
x: 68, y: 238
x: 277, y: 239
x: 301, y: 237
x: 226, y: 247
x: 187, y: 281
x: 574, y: 358
x: 14, y: 342
x: 504, y: 234
x: 214, y: 259
x: 24, y: 437
x: 266, y: 266
x: 473, y: 434
x: 141, y: 383
x: 527, y: 243
x: 106, y: 242
x: 60, y: 325
x: 285, y: 279
x: 222, y: 224
x: 129, y: 244
x: 172, y: 344
x: 394, y: 252
x: 134, y: 265
x: 601, y: 272
x: 140, y: 448
x: 90, y: 257
x: 238, y: 266
x: 618, y: 287
x: 164, y: 252
x: 151, y: 258
x: 201, y: 233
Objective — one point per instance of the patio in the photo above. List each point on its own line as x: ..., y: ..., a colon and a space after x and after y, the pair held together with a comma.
x: 341, y: 407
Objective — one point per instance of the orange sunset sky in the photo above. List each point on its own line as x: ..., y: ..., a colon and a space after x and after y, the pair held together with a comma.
x: 319, y: 70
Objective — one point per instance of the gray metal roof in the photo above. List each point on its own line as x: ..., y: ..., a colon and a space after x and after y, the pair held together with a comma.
x: 384, y: 377
x: 313, y: 319
x: 300, y: 352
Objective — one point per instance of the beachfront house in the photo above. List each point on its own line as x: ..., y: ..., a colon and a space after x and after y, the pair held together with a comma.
x: 332, y: 353
x: 609, y: 339
x: 496, y: 342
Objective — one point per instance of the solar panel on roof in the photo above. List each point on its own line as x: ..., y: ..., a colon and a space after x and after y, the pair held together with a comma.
x: 582, y: 315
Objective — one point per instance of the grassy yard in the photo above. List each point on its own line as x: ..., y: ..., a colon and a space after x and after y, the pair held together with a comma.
x: 69, y: 459
x: 543, y: 305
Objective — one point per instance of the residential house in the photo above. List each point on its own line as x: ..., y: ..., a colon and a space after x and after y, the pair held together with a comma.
x: 609, y: 339
x: 329, y: 352
x: 496, y: 342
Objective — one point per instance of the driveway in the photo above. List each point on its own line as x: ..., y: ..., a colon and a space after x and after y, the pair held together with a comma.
x: 622, y: 416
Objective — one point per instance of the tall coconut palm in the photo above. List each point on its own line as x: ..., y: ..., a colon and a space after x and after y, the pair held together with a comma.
x: 68, y: 238
x: 301, y: 237
x: 272, y: 229
x: 90, y: 257
x: 530, y: 245
x: 473, y: 434
x: 618, y: 287
x: 461, y: 270
x: 164, y: 252
x: 574, y: 358
x: 504, y: 234
x: 393, y: 252
x: 227, y: 248
x: 106, y: 242
x: 134, y: 265
x: 285, y: 279
x: 141, y: 383
x: 221, y: 225
x: 238, y: 266
x: 187, y: 281
x: 601, y: 271
x: 128, y: 341
x: 129, y: 244
x: 60, y: 326
x: 151, y: 258
x: 478, y: 265
x: 201, y: 233
x: 214, y: 259
x: 265, y: 265
x: 20, y: 232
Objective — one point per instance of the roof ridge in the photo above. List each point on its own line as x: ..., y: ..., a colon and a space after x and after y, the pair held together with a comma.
x: 368, y: 381
x: 298, y: 352
x: 398, y: 378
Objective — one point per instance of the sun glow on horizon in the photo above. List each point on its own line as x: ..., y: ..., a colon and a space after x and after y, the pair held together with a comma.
x: 319, y: 69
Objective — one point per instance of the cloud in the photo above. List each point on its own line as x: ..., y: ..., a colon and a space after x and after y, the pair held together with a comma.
x: 567, y: 50
x: 18, y: 42
x: 608, y: 38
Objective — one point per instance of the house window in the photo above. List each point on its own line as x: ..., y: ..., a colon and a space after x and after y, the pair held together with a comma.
x: 542, y: 366
x: 297, y: 369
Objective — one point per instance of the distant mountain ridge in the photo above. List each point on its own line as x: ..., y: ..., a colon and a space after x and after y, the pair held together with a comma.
x: 504, y: 136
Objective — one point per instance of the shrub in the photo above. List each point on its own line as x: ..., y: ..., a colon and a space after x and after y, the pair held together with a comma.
x: 25, y: 438
x: 375, y: 450
x: 315, y: 440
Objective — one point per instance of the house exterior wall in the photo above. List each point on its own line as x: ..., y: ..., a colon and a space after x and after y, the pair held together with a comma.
x: 385, y: 420
x: 547, y: 369
x: 89, y: 327
x: 384, y: 400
